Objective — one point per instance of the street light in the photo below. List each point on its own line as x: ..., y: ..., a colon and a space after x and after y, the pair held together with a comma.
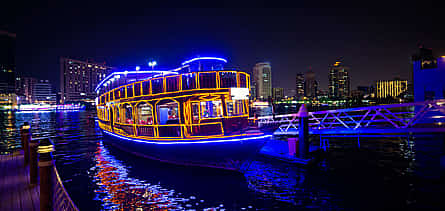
x: 152, y: 64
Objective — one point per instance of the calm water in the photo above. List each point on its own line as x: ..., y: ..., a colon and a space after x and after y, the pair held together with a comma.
x: 381, y: 174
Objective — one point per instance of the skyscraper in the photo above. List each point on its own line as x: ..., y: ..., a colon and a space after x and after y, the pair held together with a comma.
x: 310, y: 85
x: 428, y: 75
x: 278, y: 93
x: 78, y: 79
x: 262, y: 79
x: 339, y: 82
x: 43, y: 92
x: 7, y: 63
x: 28, y: 84
x: 299, y: 86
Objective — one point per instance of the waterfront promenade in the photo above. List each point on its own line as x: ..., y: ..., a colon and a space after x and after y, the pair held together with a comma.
x: 16, y: 192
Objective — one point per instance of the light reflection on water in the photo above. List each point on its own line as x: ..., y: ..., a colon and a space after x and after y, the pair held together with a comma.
x: 117, y: 190
x: 382, y: 174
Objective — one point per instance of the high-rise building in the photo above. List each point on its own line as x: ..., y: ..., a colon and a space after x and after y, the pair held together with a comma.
x: 7, y: 63
x: 428, y: 75
x: 391, y: 88
x: 339, y: 81
x: 278, y: 93
x: 310, y: 85
x: 43, y: 92
x: 7, y: 80
x: 78, y: 79
x: 299, y: 86
x: 28, y: 87
x: 262, y: 79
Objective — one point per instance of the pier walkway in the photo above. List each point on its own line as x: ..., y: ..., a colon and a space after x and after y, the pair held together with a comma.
x: 16, y: 192
x: 398, y: 119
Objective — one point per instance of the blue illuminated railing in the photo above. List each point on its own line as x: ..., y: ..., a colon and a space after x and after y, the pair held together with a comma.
x: 427, y: 115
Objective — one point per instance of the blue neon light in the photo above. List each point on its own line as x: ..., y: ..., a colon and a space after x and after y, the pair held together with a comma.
x: 189, y: 142
x: 164, y: 72
x: 204, y: 58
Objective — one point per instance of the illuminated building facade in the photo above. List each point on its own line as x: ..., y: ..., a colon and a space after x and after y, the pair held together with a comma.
x: 78, y: 79
x: 262, y: 79
x: 43, y: 93
x: 278, y: 93
x: 299, y: 86
x: 428, y: 75
x: 391, y: 88
x: 339, y: 81
x: 310, y: 85
x: 7, y: 80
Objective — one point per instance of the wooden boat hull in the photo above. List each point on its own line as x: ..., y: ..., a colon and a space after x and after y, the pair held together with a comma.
x: 226, y: 153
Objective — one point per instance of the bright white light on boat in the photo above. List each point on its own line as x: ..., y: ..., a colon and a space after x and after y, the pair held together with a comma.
x: 117, y: 76
x: 138, y: 68
x: 125, y: 72
x: 204, y: 58
x: 239, y: 93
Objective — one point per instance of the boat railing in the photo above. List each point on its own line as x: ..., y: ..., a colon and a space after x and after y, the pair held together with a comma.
x: 170, y: 131
x: 148, y: 87
x: 206, y: 129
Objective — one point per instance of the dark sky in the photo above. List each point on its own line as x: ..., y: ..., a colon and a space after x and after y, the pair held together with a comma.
x: 375, y: 42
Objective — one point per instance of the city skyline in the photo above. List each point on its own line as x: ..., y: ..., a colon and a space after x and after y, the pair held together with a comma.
x: 290, y: 39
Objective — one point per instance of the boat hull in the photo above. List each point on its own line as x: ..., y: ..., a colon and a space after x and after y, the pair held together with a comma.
x: 228, y: 153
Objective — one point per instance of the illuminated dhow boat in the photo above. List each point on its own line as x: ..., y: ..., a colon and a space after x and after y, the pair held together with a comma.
x: 196, y: 114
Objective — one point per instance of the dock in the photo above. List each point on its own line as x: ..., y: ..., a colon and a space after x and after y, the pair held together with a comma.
x: 16, y: 192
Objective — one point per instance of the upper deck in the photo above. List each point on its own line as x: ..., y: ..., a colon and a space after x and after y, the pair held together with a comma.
x: 194, y: 76
x: 193, y: 101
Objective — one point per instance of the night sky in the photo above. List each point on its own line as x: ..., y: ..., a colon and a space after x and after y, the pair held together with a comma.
x: 375, y: 42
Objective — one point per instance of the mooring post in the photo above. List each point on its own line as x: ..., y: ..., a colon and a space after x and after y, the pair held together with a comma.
x: 25, y: 136
x: 33, y: 160
x: 46, y: 166
x: 303, y: 132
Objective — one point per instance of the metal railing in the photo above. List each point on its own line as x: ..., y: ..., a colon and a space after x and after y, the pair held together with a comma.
x: 61, y: 199
x: 419, y: 115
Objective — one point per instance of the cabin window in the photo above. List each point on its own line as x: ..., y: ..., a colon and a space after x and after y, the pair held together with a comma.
x: 195, y: 113
x: 207, y: 80
x: 107, y: 114
x: 188, y: 81
x: 242, y: 80
x: 122, y: 92
x: 130, y: 91
x: 137, y: 89
x: 172, y: 84
x: 235, y: 108
x: 157, y: 86
x: 167, y: 112
x: 108, y: 97
x: 111, y: 96
x: 227, y: 79
x: 116, y: 94
x: 117, y: 116
x: 144, y: 114
x: 211, y: 109
x: 126, y: 114
x: 146, y: 87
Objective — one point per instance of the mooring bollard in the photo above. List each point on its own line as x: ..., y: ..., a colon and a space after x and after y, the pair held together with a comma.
x: 46, y: 170
x: 303, y: 132
x: 25, y: 136
x: 33, y: 160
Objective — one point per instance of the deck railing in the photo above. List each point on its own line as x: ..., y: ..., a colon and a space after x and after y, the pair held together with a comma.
x: 395, y: 116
